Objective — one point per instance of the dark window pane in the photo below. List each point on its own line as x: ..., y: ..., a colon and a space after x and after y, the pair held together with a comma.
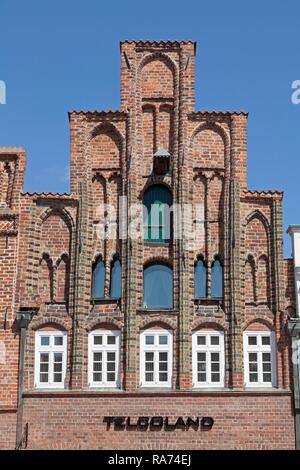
x: 111, y: 377
x: 97, y: 356
x: 97, y: 377
x: 111, y: 340
x: 163, y: 377
x: 44, y: 340
x: 214, y: 340
x: 57, y: 377
x: 215, y: 377
x: 149, y: 339
x: 116, y: 280
x: 157, y: 218
x: 200, y: 280
x: 98, y: 280
x: 216, y: 280
x: 253, y: 377
x: 58, y: 340
x: 111, y: 356
x: 267, y: 377
x: 158, y: 286
x: 201, y: 340
x: 97, y: 339
x: 163, y: 340
x: 265, y: 340
x: 252, y: 340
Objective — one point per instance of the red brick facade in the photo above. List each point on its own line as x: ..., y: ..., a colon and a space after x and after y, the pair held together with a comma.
x: 48, y: 245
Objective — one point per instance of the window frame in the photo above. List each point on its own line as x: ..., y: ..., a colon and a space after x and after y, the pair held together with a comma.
x: 259, y: 349
x: 104, y: 349
x: 50, y: 350
x: 156, y: 348
x: 208, y: 348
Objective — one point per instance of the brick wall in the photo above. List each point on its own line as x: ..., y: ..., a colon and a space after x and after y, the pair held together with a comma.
x: 240, y: 422
x: 49, y: 242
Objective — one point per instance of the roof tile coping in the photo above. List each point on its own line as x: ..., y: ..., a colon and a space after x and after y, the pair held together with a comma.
x: 158, y: 43
x: 12, y: 150
x: 99, y: 113
x: 217, y: 113
x: 50, y: 195
x: 266, y: 193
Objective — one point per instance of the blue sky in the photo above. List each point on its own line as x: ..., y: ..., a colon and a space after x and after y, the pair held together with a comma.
x: 57, y: 55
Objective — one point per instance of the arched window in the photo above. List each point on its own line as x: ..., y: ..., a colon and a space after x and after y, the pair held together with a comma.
x: 216, y: 279
x: 200, y: 273
x: 157, y: 218
x: 158, y: 286
x: 98, y: 279
x: 116, y: 280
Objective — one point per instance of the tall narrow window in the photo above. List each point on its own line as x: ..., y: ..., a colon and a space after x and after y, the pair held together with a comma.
x: 156, y: 358
x: 259, y: 355
x: 200, y: 279
x: 158, y: 286
x: 116, y: 280
x: 50, y: 359
x: 104, y: 362
x: 157, y: 218
x: 98, y: 279
x: 216, y: 280
x: 208, y: 359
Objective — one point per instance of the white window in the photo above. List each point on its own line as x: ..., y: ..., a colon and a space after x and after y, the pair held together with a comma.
x: 259, y: 354
x: 104, y: 358
x: 208, y: 359
x: 156, y: 358
x: 50, y: 359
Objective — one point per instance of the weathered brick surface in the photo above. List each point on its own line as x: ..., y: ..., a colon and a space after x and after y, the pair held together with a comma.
x: 48, y: 245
